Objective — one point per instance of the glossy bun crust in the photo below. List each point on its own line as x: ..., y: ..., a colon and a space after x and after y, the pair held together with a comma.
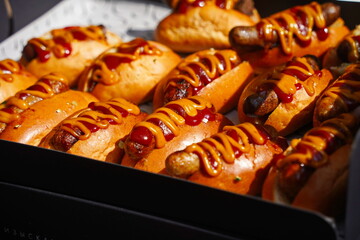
x: 39, y: 119
x: 77, y: 49
x: 135, y: 78
x: 231, y: 76
x: 200, y: 28
x: 13, y: 78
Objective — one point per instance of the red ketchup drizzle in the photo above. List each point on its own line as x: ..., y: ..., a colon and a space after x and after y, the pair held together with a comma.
x: 221, y: 3
x: 287, y: 98
x: 232, y: 133
x: 332, y: 142
x: 316, y: 155
x: 78, y: 35
x: 144, y: 136
x: 43, y: 54
x: 322, y: 33
x: 40, y: 88
x: 5, y: 70
x: 65, y: 45
x: 7, y: 110
x: 93, y: 127
x: 356, y: 38
x: 112, y: 62
x: 141, y: 135
x: 200, y: 74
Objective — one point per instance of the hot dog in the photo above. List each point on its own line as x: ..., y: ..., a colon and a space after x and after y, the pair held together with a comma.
x: 342, y: 96
x: 284, y: 97
x: 95, y: 131
x: 345, y: 53
x: 170, y: 128
x: 13, y: 78
x: 312, y: 172
x: 309, y: 29
x: 29, y: 115
x: 67, y: 50
x: 236, y: 159
x: 198, y: 25
x: 203, y: 74
x: 129, y: 70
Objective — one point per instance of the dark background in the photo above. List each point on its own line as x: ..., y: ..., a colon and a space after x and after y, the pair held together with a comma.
x: 25, y: 11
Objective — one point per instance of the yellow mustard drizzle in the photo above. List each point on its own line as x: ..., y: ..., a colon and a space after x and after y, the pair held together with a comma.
x: 221, y: 146
x: 286, y: 83
x: 314, y: 16
x: 101, y: 72
x: 7, y: 68
x: 337, y: 127
x: 22, y: 104
x: 172, y: 119
x: 336, y: 90
x: 98, y: 118
x: 91, y: 32
x: 354, y: 54
x: 185, y: 72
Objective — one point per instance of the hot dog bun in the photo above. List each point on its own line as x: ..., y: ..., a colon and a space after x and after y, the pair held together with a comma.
x: 191, y: 28
x: 130, y: 70
x: 284, y: 97
x: 346, y: 52
x: 216, y: 75
x: 170, y: 128
x: 237, y: 159
x: 269, y: 43
x: 13, y: 78
x: 67, y: 51
x: 341, y: 96
x: 95, y: 131
x: 312, y: 172
x: 28, y: 121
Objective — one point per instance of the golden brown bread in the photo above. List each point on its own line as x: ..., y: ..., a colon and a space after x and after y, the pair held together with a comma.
x: 282, y: 36
x: 168, y: 129
x: 312, y: 173
x: 95, y: 132
x: 31, y: 114
x: 284, y: 97
x: 216, y: 75
x: 200, y: 28
x: 237, y: 159
x: 13, y: 78
x: 67, y: 51
x: 130, y: 70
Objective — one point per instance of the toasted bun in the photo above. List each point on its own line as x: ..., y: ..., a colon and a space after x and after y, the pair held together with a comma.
x: 134, y: 81
x: 83, y: 52
x: 201, y: 28
x: 103, y: 144
x: 39, y: 119
x: 288, y: 117
x: 275, y: 56
x: 155, y: 161
x: 341, y: 96
x: 223, y: 91
x: 13, y: 78
x: 345, y: 52
x: 246, y: 175
x: 312, y: 172
x: 325, y: 190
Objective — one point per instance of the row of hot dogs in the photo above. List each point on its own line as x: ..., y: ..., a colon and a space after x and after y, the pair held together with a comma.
x: 78, y: 90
